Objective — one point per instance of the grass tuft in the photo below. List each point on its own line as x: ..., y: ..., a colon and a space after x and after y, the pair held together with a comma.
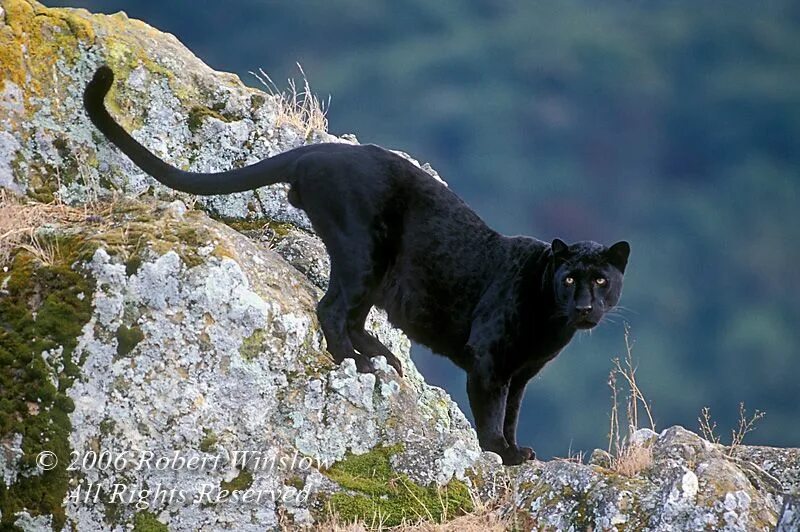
x: 20, y: 222
x: 298, y: 107
x: 377, y: 495
x: 629, y: 458
x: 484, y: 516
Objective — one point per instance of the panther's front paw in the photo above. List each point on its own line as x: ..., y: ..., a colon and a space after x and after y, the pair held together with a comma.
x: 514, y: 455
x: 530, y: 452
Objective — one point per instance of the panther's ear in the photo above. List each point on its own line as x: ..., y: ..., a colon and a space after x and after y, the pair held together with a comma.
x: 560, y: 249
x: 618, y: 255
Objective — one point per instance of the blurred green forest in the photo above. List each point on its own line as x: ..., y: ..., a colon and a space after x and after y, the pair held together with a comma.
x: 673, y: 125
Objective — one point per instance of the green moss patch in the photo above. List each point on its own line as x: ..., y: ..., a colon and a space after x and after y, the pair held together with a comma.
x: 43, y: 311
x: 127, y: 338
x: 198, y: 114
x: 376, y: 493
x: 242, y: 481
x: 296, y: 481
x: 147, y: 522
x: 209, y: 441
x: 132, y: 264
x: 140, y: 227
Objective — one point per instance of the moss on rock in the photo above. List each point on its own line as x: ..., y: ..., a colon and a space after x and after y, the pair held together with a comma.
x: 275, y: 229
x: 241, y: 482
x: 375, y: 489
x: 254, y: 344
x: 41, y: 317
x: 34, y: 38
x: 198, y: 114
x: 209, y: 441
x: 147, y: 522
x: 127, y: 338
x: 136, y: 227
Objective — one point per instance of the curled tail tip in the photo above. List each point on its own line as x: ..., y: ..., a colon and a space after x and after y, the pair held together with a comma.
x: 103, y: 76
x: 99, y: 85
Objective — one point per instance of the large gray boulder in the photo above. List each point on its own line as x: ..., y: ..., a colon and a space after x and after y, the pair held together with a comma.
x: 159, y: 332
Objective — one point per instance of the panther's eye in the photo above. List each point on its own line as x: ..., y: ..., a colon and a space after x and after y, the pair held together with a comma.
x: 569, y: 281
x: 601, y: 281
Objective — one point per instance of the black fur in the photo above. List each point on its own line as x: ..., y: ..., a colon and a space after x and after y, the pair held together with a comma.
x: 499, y: 307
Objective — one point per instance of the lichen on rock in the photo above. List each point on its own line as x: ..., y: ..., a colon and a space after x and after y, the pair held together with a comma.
x: 209, y: 333
x: 182, y: 110
x: 691, y: 484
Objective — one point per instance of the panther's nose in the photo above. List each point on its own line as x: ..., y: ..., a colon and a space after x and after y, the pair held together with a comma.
x: 583, y: 309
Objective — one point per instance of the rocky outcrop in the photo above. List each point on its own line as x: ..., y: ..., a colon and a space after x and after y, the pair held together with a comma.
x: 161, y: 366
x: 182, y: 110
x: 195, y: 343
x: 685, y: 483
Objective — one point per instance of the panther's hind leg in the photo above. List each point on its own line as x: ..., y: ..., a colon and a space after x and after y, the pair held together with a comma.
x: 351, y: 289
x: 365, y: 342
x: 332, y: 315
x: 345, y: 215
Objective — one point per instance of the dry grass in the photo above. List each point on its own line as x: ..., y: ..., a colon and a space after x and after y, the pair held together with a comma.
x: 491, y: 516
x: 576, y: 457
x: 46, y: 251
x: 632, y: 459
x: 708, y: 427
x: 298, y: 107
x: 477, y: 521
x: 20, y: 221
x: 745, y: 425
x: 628, y: 458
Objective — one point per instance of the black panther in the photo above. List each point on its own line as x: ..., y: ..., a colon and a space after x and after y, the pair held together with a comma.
x: 499, y: 307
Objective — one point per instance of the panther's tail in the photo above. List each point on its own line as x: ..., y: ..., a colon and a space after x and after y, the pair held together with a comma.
x: 267, y: 172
